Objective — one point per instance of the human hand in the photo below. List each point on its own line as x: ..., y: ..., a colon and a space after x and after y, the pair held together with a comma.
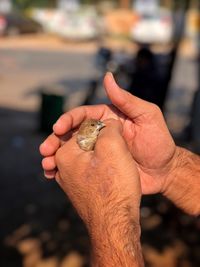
x: 98, y: 181
x: 144, y: 130
x: 104, y: 187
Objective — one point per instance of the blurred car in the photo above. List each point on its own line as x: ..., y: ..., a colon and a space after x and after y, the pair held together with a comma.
x: 153, y: 28
x: 81, y: 24
x: 78, y: 25
x: 15, y: 23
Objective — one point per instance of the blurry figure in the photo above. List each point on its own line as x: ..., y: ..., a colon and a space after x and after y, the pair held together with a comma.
x: 120, y: 66
x: 102, y: 59
x: 143, y: 76
x: 146, y: 82
x: 91, y: 92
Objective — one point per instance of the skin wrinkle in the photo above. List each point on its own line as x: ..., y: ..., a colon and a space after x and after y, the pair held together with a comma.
x: 71, y: 121
x: 126, y: 102
x: 88, y: 114
x: 129, y: 126
x: 147, y: 163
x: 185, y: 172
x: 118, y: 115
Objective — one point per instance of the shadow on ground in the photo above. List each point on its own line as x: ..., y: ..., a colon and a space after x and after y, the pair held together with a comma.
x: 39, y: 227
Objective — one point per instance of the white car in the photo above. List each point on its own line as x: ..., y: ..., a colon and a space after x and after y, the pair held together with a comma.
x: 153, y: 28
x: 81, y: 24
x: 78, y: 25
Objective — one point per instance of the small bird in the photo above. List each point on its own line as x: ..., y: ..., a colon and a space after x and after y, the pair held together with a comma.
x: 88, y: 133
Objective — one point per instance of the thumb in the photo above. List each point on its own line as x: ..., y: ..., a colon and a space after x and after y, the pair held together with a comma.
x: 127, y: 103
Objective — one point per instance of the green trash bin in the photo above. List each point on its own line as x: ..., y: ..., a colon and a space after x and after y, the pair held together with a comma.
x: 51, y: 108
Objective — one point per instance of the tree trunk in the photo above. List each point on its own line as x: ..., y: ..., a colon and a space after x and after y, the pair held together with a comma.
x: 125, y: 3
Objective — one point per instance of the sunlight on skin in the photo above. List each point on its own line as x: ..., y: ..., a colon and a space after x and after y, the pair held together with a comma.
x: 142, y: 124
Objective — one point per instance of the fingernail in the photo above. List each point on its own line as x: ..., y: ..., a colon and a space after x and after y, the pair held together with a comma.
x: 111, y: 79
x: 110, y: 76
x: 56, y: 124
x: 48, y: 176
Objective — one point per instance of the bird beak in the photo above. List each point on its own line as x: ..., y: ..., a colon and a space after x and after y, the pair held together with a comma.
x: 101, y: 125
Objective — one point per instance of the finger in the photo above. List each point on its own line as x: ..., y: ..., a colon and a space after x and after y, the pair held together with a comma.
x: 110, y: 138
x: 74, y: 117
x: 69, y: 152
x: 127, y: 103
x: 48, y: 163
x: 112, y: 149
x: 50, y: 145
x: 50, y: 174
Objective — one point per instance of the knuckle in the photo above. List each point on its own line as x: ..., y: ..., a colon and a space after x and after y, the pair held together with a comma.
x: 43, y: 163
x: 113, y: 124
x: 41, y: 149
x: 60, y: 156
x: 109, y: 143
x: 155, y: 108
x: 104, y: 141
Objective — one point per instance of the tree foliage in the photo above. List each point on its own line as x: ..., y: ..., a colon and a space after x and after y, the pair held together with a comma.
x: 24, y: 4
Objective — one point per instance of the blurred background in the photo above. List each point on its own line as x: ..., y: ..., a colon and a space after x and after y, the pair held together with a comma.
x: 53, y: 55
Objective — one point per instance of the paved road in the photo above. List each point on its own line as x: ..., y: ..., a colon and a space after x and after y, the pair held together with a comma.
x: 23, y: 72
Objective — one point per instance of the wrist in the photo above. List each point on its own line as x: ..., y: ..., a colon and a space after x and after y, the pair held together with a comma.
x: 120, y: 247
x: 115, y: 239
x: 183, y: 181
x: 171, y: 171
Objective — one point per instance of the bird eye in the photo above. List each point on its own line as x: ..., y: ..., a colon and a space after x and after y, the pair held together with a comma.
x: 92, y: 124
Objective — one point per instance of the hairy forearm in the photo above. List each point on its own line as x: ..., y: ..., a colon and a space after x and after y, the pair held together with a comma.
x: 115, y: 241
x: 183, y: 187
